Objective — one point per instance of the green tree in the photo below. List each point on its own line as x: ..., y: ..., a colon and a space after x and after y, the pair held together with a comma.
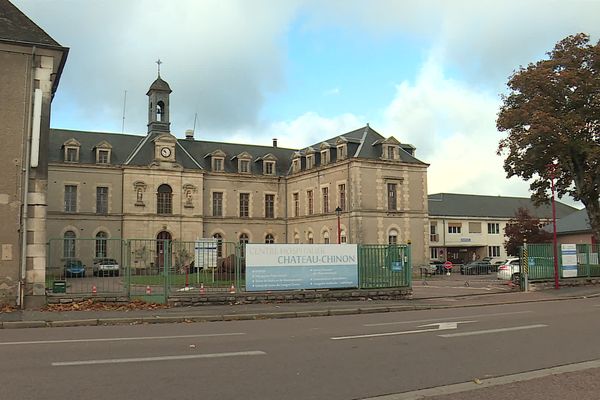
x: 523, y: 226
x: 552, y: 117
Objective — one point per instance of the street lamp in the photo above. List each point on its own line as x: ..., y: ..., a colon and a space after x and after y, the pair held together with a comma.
x: 552, y: 169
x: 338, y: 212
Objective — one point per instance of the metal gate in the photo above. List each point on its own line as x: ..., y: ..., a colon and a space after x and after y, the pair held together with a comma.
x: 384, y: 266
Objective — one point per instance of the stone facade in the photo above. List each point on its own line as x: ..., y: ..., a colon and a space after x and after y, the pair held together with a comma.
x: 31, y: 64
x: 235, y: 192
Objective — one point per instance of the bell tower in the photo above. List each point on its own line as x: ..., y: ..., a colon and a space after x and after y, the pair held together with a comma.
x: 158, y: 105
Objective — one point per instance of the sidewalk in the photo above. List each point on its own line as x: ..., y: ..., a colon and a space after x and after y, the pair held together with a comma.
x: 420, y: 301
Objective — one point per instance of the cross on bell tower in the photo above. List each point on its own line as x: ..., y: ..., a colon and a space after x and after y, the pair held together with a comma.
x: 158, y: 104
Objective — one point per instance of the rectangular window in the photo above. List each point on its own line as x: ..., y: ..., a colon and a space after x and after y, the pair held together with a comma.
x: 494, y: 228
x: 310, y: 161
x: 433, y: 253
x: 310, y: 201
x: 269, y: 168
x: 454, y: 228
x: 324, y: 157
x: 325, y: 192
x: 103, y: 156
x: 433, y: 235
x: 244, y: 166
x: 391, y: 153
x: 341, y: 152
x: 391, y: 194
x: 101, y: 200
x: 342, y: 192
x: 269, y: 206
x: 474, y: 227
x: 494, y: 251
x: 217, y: 204
x: 217, y: 164
x: 71, y: 154
x: 70, y: 198
x: 244, y: 205
x: 296, y: 204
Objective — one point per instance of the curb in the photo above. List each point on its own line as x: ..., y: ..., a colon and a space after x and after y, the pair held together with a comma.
x: 264, y: 316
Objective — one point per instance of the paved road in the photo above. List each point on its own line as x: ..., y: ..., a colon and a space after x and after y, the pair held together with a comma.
x: 342, y: 357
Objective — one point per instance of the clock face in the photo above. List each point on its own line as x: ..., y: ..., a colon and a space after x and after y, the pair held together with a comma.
x: 165, y: 152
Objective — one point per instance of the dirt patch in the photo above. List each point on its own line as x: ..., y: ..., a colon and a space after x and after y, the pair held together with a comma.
x: 91, y: 305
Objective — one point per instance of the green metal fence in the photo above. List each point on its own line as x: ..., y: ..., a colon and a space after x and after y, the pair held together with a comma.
x: 384, y: 266
x: 154, y: 269
x: 540, y: 259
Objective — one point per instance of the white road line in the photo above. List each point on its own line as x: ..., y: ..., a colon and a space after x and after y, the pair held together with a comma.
x: 162, y: 358
x: 449, y: 318
x: 438, y: 327
x: 120, y: 339
x: 484, y: 332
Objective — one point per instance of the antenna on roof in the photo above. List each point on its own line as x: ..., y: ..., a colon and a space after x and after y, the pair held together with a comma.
x: 124, y: 104
x: 195, y: 117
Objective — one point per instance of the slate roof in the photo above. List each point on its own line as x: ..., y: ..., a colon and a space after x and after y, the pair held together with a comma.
x: 468, y: 205
x: 572, y: 223
x: 192, y: 154
x: 161, y: 85
x: 17, y: 27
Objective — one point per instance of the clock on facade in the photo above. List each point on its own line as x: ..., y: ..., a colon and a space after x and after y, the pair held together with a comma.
x: 165, y: 152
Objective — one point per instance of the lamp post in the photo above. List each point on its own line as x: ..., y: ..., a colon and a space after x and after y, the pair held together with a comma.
x: 338, y: 212
x: 552, y: 168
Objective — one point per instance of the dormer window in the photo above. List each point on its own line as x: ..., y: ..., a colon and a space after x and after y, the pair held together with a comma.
x: 296, y: 165
x: 71, y: 153
x: 244, y: 166
x: 103, y: 156
x: 217, y: 164
x: 269, y: 167
x: 325, y: 157
x: 310, y: 161
x: 392, y: 152
x: 341, y: 152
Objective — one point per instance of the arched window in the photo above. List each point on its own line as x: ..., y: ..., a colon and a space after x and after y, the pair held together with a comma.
x: 101, y: 245
x: 69, y: 244
x: 269, y: 239
x: 296, y: 238
x: 159, y: 111
x: 311, y: 239
x: 219, y: 239
x: 326, y: 237
x: 243, y: 242
x: 164, y: 204
x: 343, y: 237
x: 393, y: 237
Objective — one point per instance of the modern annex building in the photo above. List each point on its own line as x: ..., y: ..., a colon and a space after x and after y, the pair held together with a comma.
x: 466, y: 227
x: 156, y: 186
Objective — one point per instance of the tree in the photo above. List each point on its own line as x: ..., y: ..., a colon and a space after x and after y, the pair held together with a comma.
x: 523, y: 227
x: 552, y: 117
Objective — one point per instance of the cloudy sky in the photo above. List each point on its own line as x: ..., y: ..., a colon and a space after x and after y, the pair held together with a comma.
x: 428, y: 72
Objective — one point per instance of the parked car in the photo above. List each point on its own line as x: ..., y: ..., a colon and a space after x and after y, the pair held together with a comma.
x: 105, y: 266
x: 509, y: 269
x: 74, y: 268
x: 437, y: 267
x: 476, y: 268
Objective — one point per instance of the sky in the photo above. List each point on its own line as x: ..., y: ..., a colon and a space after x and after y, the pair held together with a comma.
x: 428, y: 72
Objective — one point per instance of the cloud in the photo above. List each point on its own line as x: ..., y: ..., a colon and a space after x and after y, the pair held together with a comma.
x: 453, y: 127
x: 331, y: 92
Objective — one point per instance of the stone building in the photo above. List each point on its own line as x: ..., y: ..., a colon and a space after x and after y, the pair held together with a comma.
x: 106, y: 185
x: 31, y: 63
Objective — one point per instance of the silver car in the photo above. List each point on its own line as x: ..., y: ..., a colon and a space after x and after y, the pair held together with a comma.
x: 510, y: 269
x: 105, y: 267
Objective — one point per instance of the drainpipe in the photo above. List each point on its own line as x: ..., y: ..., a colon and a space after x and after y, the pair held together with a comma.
x: 25, y: 199
x: 349, y: 198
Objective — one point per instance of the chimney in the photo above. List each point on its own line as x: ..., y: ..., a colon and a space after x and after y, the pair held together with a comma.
x: 189, y: 134
x: 274, y: 142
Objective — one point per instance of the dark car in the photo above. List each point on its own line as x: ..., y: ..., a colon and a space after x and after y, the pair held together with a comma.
x: 476, y: 268
x: 74, y: 268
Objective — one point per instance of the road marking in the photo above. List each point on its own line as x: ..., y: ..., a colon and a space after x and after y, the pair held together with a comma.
x: 484, y: 332
x: 120, y: 339
x: 488, y: 382
x: 449, y: 318
x: 162, y: 358
x: 440, y: 326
